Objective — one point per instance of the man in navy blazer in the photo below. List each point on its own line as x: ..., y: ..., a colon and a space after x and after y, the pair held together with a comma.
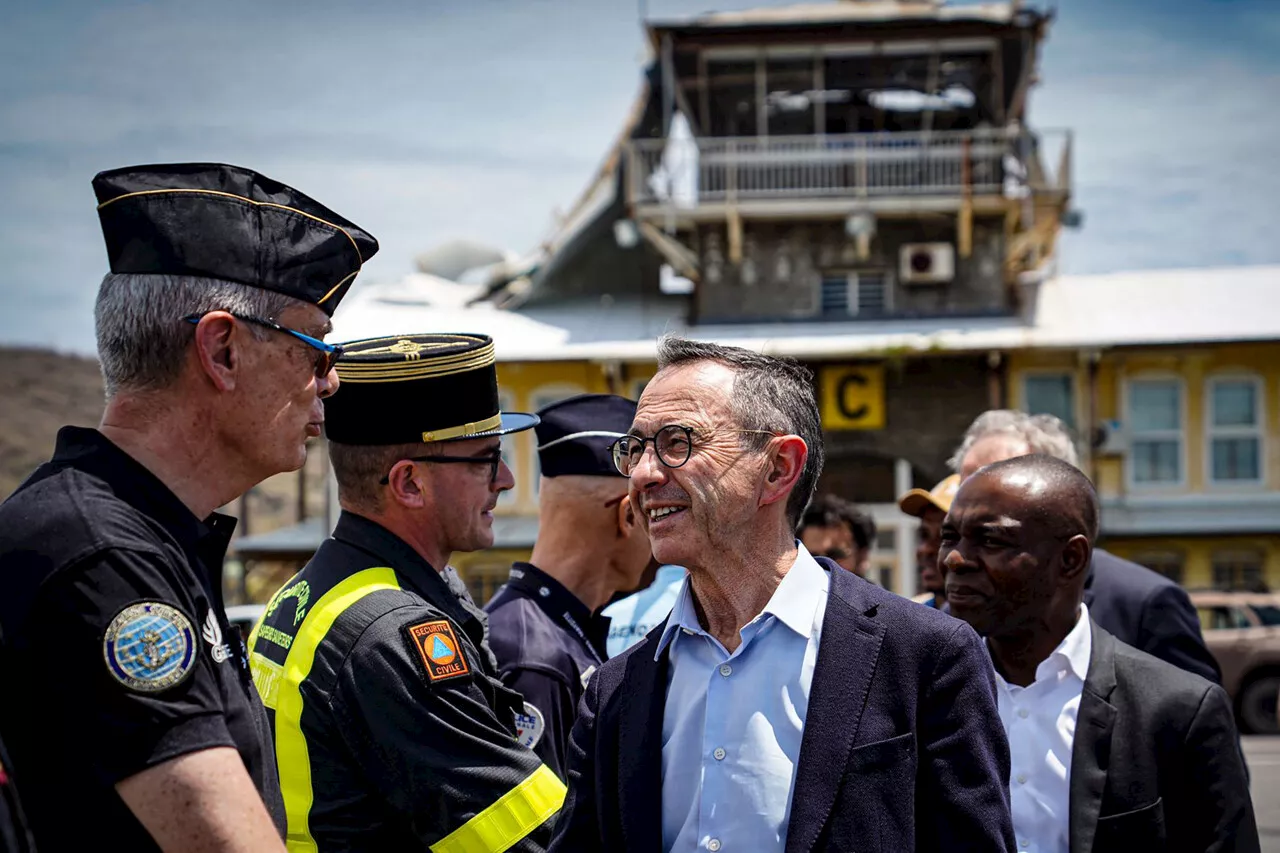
x: 785, y: 705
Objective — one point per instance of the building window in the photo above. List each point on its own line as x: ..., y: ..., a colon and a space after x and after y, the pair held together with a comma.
x: 1050, y: 394
x: 538, y: 400
x: 855, y: 294
x: 1235, y: 431
x: 1167, y: 563
x: 506, y: 403
x: 1155, y: 429
x: 1238, y: 570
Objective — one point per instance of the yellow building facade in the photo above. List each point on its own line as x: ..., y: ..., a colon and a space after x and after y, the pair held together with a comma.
x: 1186, y: 464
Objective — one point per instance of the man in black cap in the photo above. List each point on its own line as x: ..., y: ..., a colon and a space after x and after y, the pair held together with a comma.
x: 393, y: 730
x: 544, y: 623
x: 139, y: 726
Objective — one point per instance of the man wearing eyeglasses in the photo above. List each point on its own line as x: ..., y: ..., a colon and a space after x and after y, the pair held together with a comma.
x: 393, y: 729
x: 786, y: 704
x: 139, y: 727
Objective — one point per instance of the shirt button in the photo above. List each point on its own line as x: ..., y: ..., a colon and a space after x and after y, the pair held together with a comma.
x: 1024, y: 843
x: 1022, y: 778
x: 713, y: 845
x: 726, y: 670
x: 719, y: 753
x: 1023, y: 713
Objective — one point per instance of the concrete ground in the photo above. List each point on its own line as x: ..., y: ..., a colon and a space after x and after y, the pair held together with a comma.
x: 1263, y: 754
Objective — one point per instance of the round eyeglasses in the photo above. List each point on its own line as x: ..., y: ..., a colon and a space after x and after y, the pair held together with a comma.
x: 673, y: 445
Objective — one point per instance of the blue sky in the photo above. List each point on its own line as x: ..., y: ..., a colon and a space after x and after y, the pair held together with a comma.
x: 433, y: 119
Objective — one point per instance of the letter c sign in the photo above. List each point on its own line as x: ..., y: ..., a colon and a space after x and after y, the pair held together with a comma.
x: 853, y: 397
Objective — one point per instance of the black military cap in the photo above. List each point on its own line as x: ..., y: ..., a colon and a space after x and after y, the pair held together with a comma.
x: 224, y: 222
x: 575, y: 435
x: 409, y: 388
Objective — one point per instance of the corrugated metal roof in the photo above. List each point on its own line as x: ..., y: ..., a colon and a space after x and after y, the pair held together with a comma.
x: 846, y: 12
x: 1120, y: 309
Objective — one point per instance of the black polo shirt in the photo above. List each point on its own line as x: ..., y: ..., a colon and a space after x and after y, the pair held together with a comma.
x: 118, y: 655
x: 548, y: 643
x: 393, y: 730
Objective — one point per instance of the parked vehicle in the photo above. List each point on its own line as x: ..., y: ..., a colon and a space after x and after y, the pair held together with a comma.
x: 1242, y: 630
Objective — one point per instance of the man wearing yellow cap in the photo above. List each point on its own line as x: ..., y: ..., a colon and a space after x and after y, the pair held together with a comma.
x: 930, y: 507
x: 393, y: 729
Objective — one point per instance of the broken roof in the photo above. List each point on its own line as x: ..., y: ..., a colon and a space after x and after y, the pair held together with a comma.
x: 848, y: 11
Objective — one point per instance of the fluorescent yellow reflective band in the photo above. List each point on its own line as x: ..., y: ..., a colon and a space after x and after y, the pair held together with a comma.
x: 291, y: 746
x: 517, y: 813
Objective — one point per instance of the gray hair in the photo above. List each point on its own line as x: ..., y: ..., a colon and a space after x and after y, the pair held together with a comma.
x: 138, y: 320
x: 774, y: 394
x: 1041, y: 433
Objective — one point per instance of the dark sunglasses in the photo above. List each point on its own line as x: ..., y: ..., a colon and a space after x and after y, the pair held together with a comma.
x: 327, y: 355
x: 493, y: 460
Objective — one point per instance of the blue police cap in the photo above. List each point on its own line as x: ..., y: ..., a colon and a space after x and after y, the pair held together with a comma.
x: 574, y: 435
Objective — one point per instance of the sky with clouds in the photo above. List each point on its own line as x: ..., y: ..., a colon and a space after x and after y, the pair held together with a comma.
x: 424, y: 120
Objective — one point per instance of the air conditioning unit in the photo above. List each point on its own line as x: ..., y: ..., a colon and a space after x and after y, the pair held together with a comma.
x: 926, y: 263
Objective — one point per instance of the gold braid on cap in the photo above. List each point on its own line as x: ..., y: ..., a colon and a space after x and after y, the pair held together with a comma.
x: 417, y: 363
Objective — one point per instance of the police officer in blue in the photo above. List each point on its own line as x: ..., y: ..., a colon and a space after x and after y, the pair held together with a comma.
x: 544, y: 624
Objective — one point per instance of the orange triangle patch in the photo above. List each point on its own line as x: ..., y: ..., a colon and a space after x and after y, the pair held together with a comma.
x: 439, y: 649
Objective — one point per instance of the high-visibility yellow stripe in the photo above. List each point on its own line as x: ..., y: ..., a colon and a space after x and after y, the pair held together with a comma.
x: 291, y: 746
x: 517, y: 813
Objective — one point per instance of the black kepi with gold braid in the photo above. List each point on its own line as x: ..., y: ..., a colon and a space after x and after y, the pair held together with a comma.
x: 216, y: 221
x: 418, y: 388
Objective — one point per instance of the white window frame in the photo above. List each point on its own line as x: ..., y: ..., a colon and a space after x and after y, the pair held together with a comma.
x: 851, y: 283
x: 544, y: 395
x: 1077, y: 418
x: 1257, y: 431
x: 1180, y: 434
x: 512, y: 498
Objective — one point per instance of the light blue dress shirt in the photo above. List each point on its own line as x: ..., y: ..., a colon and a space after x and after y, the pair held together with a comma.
x: 634, y: 616
x: 732, y: 723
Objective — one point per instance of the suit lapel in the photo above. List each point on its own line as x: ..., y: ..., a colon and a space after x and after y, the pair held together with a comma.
x: 641, y: 703
x: 847, y: 655
x: 1091, y: 751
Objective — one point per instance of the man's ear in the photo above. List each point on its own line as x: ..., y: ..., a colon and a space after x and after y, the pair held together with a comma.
x: 404, y: 487
x: 216, y: 349
x: 785, y: 467
x: 1076, y: 555
x: 626, y: 517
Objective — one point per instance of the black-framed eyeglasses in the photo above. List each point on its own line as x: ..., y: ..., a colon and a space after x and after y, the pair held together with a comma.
x: 493, y: 460
x: 673, y: 444
x: 327, y: 355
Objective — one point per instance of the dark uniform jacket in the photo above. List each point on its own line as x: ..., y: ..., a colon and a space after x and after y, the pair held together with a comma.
x: 1154, y: 765
x: 547, y: 644
x: 392, y: 729
x: 1148, y: 611
x: 15, y: 832
x: 902, y: 747
x: 118, y: 655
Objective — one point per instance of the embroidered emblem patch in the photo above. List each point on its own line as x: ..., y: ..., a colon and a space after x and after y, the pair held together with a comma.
x: 149, y: 646
x: 530, y: 725
x: 212, y: 633
x: 439, y: 649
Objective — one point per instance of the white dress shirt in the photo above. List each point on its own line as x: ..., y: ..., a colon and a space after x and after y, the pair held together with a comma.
x: 1040, y: 721
x: 732, y: 723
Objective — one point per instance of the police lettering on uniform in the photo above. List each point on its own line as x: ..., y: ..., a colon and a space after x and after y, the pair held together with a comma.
x: 139, y: 726
x: 544, y: 624
x: 393, y: 731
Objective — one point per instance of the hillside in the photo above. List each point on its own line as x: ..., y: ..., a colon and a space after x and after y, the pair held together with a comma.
x: 41, y: 391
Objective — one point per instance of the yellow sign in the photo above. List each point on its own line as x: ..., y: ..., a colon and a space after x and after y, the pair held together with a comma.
x: 853, y: 397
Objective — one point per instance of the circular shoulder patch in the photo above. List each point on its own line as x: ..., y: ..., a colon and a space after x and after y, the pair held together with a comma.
x: 530, y: 726
x: 149, y: 646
